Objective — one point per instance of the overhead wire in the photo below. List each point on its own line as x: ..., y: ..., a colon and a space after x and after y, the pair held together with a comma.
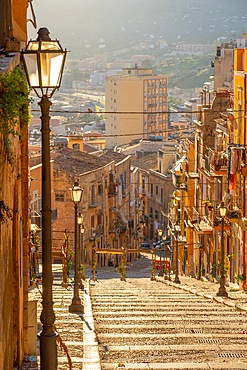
x: 136, y: 112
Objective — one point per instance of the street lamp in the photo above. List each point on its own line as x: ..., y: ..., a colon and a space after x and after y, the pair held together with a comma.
x: 76, y: 306
x: 43, y: 61
x: 160, y: 233
x: 177, y: 230
x: 222, y: 289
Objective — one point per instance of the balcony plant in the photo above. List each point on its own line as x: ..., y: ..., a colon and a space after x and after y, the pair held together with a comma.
x: 241, y: 278
x: 217, y: 221
x: 209, y: 206
x: 234, y: 214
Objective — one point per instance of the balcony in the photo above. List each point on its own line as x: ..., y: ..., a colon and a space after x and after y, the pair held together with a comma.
x: 112, y: 190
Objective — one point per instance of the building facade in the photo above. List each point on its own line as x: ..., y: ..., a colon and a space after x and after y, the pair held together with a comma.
x: 136, y: 106
x: 14, y: 225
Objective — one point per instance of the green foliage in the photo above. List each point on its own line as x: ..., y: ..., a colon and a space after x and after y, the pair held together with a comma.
x: 82, y: 271
x: 69, y: 262
x: 240, y: 277
x: 14, y: 101
x: 174, y: 102
x: 187, y: 72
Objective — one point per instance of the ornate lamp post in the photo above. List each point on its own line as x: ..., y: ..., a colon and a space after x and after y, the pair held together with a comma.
x: 200, y: 260
x: 153, y: 264
x: 80, y: 227
x: 94, y: 258
x: 43, y: 61
x: 76, y: 306
x: 166, y: 262
x: 177, y: 230
x: 222, y: 289
x: 160, y: 233
x: 83, y: 250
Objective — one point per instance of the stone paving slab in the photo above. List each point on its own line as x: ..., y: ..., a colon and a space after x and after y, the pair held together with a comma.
x: 173, y: 335
x: 181, y: 347
x: 173, y: 366
x: 91, y: 360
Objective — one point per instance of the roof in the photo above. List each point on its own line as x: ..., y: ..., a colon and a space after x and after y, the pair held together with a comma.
x: 75, y: 162
x: 110, y: 156
x: 146, y: 161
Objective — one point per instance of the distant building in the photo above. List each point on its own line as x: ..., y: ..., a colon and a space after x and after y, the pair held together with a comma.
x: 136, y: 106
x: 195, y: 48
x: 223, y: 67
x: 77, y: 141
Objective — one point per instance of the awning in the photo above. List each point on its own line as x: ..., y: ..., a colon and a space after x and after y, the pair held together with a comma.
x: 35, y: 228
x: 177, y: 167
x: 120, y: 213
x: 132, y: 202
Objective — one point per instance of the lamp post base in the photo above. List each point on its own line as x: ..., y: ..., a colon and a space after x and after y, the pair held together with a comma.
x: 222, y: 292
x: 48, y: 351
x: 76, y: 307
x: 222, y: 289
x: 177, y: 281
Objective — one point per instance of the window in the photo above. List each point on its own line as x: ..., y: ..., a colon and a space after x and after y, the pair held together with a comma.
x: 92, y: 194
x: 156, y: 216
x: 143, y: 185
x: 100, y: 189
x: 151, y: 212
x: 92, y: 221
x: 76, y: 146
x: 157, y: 190
x: 59, y: 196
x: 162, y: 195
x: 152, y: 190
x: 123, y: 182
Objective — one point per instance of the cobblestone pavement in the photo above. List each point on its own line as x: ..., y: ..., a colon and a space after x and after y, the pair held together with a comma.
x: 144, y: 324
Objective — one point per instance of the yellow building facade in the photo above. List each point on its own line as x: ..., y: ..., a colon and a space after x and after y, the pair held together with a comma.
x: 136, y: 106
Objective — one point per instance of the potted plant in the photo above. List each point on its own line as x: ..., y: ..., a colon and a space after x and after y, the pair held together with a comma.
x: 210, y: 206
x: 241, y: 278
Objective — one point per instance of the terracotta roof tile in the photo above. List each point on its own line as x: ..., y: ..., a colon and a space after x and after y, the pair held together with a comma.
x: 75, y: 162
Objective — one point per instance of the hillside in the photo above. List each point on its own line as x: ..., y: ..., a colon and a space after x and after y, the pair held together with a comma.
x: 92, y: 25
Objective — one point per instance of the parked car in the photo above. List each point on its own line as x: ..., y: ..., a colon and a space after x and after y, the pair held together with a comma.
x: 111, y: 261
x: 146, y: 246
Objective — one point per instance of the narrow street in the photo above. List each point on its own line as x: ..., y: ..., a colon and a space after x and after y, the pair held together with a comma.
x: 144, y: 324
